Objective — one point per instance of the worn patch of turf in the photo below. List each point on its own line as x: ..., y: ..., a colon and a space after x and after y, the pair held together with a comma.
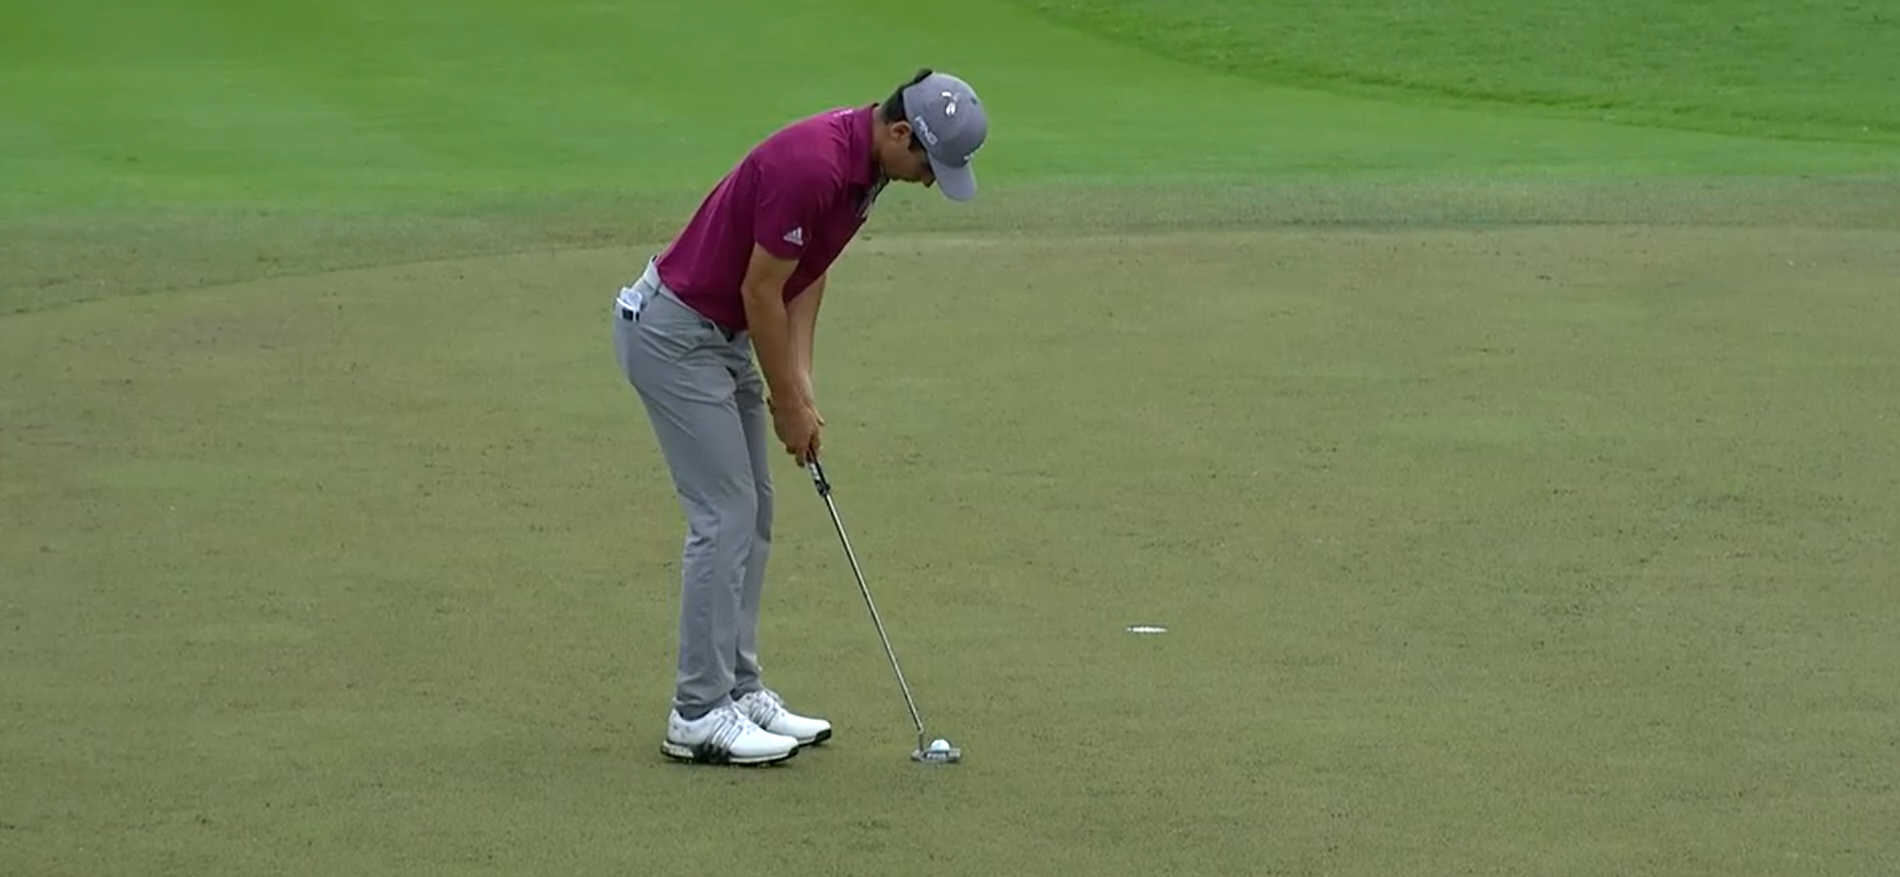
x: 1499, y: 550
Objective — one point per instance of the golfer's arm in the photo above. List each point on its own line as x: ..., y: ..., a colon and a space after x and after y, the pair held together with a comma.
x: 770, y: 325
x: 803, y: 312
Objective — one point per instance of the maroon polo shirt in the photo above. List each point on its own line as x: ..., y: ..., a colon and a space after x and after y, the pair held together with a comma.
x: 802, y: 193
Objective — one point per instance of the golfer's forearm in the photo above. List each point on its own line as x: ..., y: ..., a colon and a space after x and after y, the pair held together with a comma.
x: 800, y: 333
x: 801, y: 355
x: 803, y: 312
x: 771, y: 330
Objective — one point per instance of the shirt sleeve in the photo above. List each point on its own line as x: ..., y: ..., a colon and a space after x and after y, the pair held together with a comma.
x: 792, y: 198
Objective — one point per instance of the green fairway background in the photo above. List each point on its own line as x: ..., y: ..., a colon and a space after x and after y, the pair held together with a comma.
x: 1494, y: 399
x: 1782, y: 68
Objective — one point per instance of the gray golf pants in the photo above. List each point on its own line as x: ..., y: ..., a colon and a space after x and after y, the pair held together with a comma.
x: 706, y: 402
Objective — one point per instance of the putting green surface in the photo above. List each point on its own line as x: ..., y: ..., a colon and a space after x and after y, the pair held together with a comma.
x: 1516, y: 484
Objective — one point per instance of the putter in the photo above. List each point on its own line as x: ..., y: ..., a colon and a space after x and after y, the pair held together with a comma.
x: 940, y: 751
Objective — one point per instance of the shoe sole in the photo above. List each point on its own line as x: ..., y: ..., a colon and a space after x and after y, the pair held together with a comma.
x: 705, y: 755
x: 817, y: 739
x: 813, y: 740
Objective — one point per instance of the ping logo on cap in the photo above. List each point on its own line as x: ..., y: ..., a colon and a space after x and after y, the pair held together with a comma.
x: 949, y: 121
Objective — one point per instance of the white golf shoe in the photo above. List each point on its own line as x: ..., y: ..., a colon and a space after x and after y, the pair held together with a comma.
x: 765, y: 708
x: 725, y: 736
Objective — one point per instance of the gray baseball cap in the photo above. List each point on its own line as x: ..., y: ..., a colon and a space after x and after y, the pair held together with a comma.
x: 949, y: 120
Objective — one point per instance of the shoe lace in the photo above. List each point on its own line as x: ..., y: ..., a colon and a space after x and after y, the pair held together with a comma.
x: 733, y: 724
x: 766, y: 707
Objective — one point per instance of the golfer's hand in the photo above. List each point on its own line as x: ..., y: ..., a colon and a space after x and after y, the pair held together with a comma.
x: 797, y: 425
x: 813, y: 397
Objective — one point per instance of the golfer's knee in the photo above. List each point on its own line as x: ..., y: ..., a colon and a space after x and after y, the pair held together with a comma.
x: 762, y: 517
x: 726, y: 523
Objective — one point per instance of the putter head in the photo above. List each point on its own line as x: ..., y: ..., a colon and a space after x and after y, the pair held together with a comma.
x: 945, y: 754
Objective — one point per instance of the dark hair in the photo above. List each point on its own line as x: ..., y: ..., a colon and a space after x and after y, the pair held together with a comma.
x: 893, y: 109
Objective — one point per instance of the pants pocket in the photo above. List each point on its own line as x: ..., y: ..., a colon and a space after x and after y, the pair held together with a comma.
x: 667, y: 332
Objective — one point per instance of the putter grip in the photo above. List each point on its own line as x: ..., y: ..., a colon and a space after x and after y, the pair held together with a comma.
x: 818, y: 478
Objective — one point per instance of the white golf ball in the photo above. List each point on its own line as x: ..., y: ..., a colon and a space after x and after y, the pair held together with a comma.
x: 939, y: 745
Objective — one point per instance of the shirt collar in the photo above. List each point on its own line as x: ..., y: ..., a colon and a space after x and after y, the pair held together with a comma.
x: 864, y: 170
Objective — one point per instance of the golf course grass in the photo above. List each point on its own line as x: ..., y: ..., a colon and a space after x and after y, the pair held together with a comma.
x: 1495, y: 402
x: 1780, y: 68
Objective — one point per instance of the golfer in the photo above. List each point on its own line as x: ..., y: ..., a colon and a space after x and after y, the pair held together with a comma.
x: 745, y: 277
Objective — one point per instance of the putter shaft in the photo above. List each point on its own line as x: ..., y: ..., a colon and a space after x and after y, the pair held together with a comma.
x: 824, y: 491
